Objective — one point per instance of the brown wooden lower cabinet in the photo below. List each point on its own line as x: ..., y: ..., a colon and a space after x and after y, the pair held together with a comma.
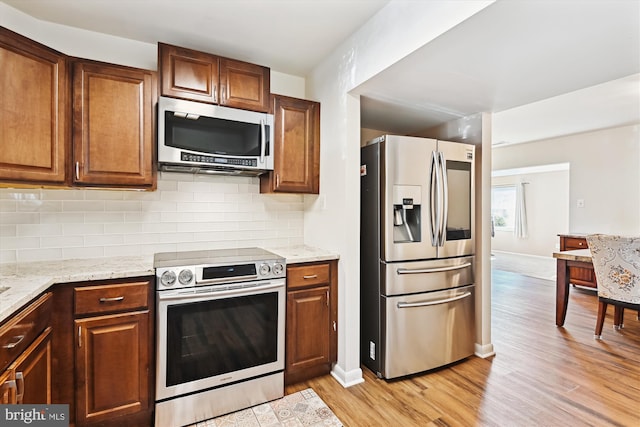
x: 33, y: 369
x: 112, y: 364
x: 7, y: 387
x: 311, y: 327
x: 103, y: 360
x: 28, y: 379
x: 25, y: 355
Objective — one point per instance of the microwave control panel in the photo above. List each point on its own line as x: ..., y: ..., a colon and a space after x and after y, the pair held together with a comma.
x: 200, y: 158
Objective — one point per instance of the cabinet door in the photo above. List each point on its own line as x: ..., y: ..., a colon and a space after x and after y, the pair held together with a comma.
x: 112, y: 125
x: 244, y: 85
x: 296, y: 147
x: 7, y: 387
x: 308, y: 327
x: 34, y: 113
x: 112, y: 366
x: 32, y: 371
x: 188, y: 74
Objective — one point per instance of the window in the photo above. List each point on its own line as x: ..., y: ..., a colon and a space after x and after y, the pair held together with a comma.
x: 503, y: 207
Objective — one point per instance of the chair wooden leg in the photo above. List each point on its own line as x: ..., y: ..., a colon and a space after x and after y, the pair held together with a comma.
x: 602, y: 311
x: 618, y: 317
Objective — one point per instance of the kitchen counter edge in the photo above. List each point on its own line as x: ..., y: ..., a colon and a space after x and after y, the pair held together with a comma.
x: 22, y: 282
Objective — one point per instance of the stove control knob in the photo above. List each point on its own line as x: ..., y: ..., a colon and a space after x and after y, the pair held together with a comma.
x: 278, y: 268
x: 168, y: 278
x: 264, y: 269
x: 185, y: 277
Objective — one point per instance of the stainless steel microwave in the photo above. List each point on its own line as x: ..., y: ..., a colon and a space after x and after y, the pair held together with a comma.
x: 203, y: 138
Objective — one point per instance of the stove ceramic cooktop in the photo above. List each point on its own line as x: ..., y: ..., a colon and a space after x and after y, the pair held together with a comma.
x: 214, y: 257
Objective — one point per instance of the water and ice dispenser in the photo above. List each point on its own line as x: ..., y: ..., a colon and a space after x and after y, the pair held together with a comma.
x: 407, y: 204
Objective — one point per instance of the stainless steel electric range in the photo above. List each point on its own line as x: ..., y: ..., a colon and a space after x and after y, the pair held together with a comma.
x: 220, y: 332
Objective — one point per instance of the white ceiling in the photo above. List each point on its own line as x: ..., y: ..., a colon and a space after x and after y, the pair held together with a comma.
x: 544, y: 68
x: 515, y: 53
x: 290, y: 36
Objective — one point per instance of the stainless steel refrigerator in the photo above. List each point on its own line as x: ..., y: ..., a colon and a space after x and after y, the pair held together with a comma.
x: 417, y: 254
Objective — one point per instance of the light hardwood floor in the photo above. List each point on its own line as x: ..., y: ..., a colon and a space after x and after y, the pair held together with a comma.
x: 541, y: 375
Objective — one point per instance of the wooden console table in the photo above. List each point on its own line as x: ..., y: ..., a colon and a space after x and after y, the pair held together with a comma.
x: 565, y: 261
x: 578, y: 275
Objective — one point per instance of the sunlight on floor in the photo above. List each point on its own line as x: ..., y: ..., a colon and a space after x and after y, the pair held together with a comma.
x: 533, y: 266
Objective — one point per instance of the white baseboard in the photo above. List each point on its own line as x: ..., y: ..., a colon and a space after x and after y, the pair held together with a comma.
x: 525, y: 255
x: 347, y: 379
x: 484, y: 350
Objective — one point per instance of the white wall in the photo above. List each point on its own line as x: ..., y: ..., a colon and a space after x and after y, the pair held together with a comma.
x: 604, y: 172
x: 547, y: 207
x: 333, y: 219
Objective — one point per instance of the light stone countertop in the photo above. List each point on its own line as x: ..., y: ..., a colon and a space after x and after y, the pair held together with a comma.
x: 25, y: 281
x: 582, y: 255
x: 22, y: 282
x: 303, y: 253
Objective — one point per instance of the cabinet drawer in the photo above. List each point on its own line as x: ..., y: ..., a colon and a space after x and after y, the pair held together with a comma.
x: 110, y: 298
x: 17, y: 334
x: 572, y: 243
x: 306, y: 275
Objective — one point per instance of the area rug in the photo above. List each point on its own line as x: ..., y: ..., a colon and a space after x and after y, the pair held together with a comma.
x: 304, y: 408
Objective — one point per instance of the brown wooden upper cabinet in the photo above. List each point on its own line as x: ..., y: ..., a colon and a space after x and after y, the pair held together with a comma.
x: 296, y: 147
x: 33, y: 111
x: 113, y: 125
x: 200, y: 76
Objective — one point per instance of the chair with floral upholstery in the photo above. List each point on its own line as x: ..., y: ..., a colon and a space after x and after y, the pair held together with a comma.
x: 616, y: 262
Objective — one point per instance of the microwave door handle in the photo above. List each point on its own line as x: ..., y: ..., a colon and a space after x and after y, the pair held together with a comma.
x: 263, y: 142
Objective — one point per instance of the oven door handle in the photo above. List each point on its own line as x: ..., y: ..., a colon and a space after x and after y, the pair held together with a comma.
x: 200, y: 293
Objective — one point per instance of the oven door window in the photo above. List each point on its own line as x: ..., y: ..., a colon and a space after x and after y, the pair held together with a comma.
x: 214, y: 136
x: 210, y: 338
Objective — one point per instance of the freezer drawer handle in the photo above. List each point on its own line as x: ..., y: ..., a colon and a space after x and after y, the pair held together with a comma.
x: 426, y: 303
x: 432, y: 270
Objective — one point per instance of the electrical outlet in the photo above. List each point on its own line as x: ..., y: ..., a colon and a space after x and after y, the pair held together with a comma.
x: 372, y: 350
x: 580, y: 203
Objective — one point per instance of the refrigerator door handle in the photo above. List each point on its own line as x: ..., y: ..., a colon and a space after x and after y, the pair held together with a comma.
x: 445, y: 200
x: 437, y: 302
x: 432, y: 270
x: 434, y: 203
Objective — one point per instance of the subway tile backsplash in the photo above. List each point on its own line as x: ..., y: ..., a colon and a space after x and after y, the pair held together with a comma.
x: 186, y: 212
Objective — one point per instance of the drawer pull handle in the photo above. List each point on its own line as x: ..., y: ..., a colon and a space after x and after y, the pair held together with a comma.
x: 114, y: 299
x: 18, y: 339
x: 20, y: 391
x: 313, y: 276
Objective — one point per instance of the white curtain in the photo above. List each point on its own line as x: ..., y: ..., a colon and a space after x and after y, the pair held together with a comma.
x: 520, y: 229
